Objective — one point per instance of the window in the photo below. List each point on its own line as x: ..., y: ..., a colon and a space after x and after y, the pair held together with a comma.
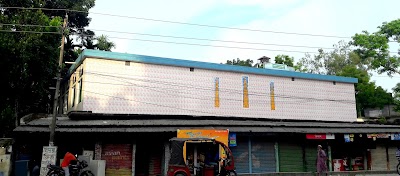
x: 73, y: 97
x: 80, y: 90
x: 191, y: 69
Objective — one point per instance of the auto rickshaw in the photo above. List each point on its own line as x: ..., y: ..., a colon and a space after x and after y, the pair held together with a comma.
x: 178, y: 165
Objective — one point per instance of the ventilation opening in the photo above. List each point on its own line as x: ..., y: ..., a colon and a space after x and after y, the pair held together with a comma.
x: 334, y: 82
x: 127, y: 63
x: 191, y: 69
x: 292, y: 78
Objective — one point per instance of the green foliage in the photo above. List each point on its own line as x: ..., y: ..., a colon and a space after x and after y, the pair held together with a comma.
x: 29, y: 62
x: 375, y: 47
x: 396, y: 97
x: 104, y: 44
x: 382, y: 120
x: 6, y: 121
x: 284, y: 59
x: 343, y: 61
x: 247, y: 63
x: 331, y: 63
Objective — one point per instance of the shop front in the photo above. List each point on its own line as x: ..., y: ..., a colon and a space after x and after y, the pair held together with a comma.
x: 349, y: 152
x: 255, y: 153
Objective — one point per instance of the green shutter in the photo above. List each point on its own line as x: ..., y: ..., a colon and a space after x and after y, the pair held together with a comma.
x: 290, y: 157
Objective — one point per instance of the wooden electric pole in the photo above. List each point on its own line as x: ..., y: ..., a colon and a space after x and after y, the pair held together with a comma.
x: 57, y: 92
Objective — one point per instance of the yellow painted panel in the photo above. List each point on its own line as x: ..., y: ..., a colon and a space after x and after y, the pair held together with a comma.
x: 272, y: 92
x: 245, y: 81
x: 216, y: 103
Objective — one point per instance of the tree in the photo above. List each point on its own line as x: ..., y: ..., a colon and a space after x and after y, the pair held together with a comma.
x: 396, y: 96
x: 331, y: 63
x: 343, y: 61
x: 104, y: 44
x: 368, y: 95
x: 247, y: 63
x: 375, y: 47
x: 284, y: 59
x: 29, y: 63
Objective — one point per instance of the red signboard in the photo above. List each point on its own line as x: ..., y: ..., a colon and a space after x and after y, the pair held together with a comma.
x: 320, y: 136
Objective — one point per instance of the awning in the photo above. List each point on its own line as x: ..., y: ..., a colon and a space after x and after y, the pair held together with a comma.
x: 143, y: 125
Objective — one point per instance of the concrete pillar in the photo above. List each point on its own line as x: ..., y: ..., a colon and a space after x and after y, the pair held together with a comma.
x: 133, y: 158
x: 165, y: 158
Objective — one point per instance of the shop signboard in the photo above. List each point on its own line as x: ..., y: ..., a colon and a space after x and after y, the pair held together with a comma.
x: 219, y: 135
x: 320, y: 136
x: 347, y: 138
x: 49, y: 156
x: 395, y: 136
x: 383, y: 135
x: 232, y: 140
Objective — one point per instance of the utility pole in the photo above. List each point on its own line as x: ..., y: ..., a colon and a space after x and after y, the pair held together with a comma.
x: 57, y: 92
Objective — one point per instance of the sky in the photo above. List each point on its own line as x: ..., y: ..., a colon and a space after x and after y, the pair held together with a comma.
x: 340, y: 18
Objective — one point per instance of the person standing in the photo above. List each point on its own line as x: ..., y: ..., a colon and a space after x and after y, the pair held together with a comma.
x: 68, y: 157
x: 321, y: 161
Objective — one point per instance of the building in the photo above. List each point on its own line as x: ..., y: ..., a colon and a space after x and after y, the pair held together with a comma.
x: 125, y: 107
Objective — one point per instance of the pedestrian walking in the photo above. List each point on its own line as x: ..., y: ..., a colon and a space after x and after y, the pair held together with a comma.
x: 321, y: 161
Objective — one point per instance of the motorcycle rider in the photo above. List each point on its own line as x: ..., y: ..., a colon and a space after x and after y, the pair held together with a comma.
x: 68, y: 157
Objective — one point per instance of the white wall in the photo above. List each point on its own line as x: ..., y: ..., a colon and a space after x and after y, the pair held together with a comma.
x: 112, y: 87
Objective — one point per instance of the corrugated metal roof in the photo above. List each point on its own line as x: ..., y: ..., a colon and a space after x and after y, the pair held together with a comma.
x: 64, y: 124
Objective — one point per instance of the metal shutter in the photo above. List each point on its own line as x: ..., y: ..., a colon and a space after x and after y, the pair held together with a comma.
x: 155, y: 165
x: 378, y: 158
x: 290, y: 157
x: 392, y: 158
x: 118, y: 159
x: 241, y: 155
x: 262, y: 156
x: 310, y: 158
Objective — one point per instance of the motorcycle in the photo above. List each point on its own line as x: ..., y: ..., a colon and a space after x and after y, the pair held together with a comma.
x: 77, y: 168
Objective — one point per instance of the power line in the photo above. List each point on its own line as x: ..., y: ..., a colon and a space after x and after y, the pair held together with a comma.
x: 204, y: 39
x: 154, y: 104
x: 29, y: 25
x: 209, y: 98
x: 182, y: 23
x: 205, y: 45
x: 34, y: 32
x: 219, y: 46
x: 262, y: 94
x: 197, y: 87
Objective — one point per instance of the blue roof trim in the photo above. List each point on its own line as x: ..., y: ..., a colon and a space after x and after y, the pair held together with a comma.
x: 204, y: 65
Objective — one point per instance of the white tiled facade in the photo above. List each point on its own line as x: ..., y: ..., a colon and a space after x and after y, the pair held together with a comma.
x: 115, y: 87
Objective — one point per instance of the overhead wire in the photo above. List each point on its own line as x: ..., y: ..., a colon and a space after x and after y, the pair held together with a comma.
x: 34, y: 32
x: 205, y: 39
x: 181, y: 94
x: 261, y: 94
x: 176, y: 22
x: 197, y: 87
x: 149, y: 103
x: 28, y: 25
